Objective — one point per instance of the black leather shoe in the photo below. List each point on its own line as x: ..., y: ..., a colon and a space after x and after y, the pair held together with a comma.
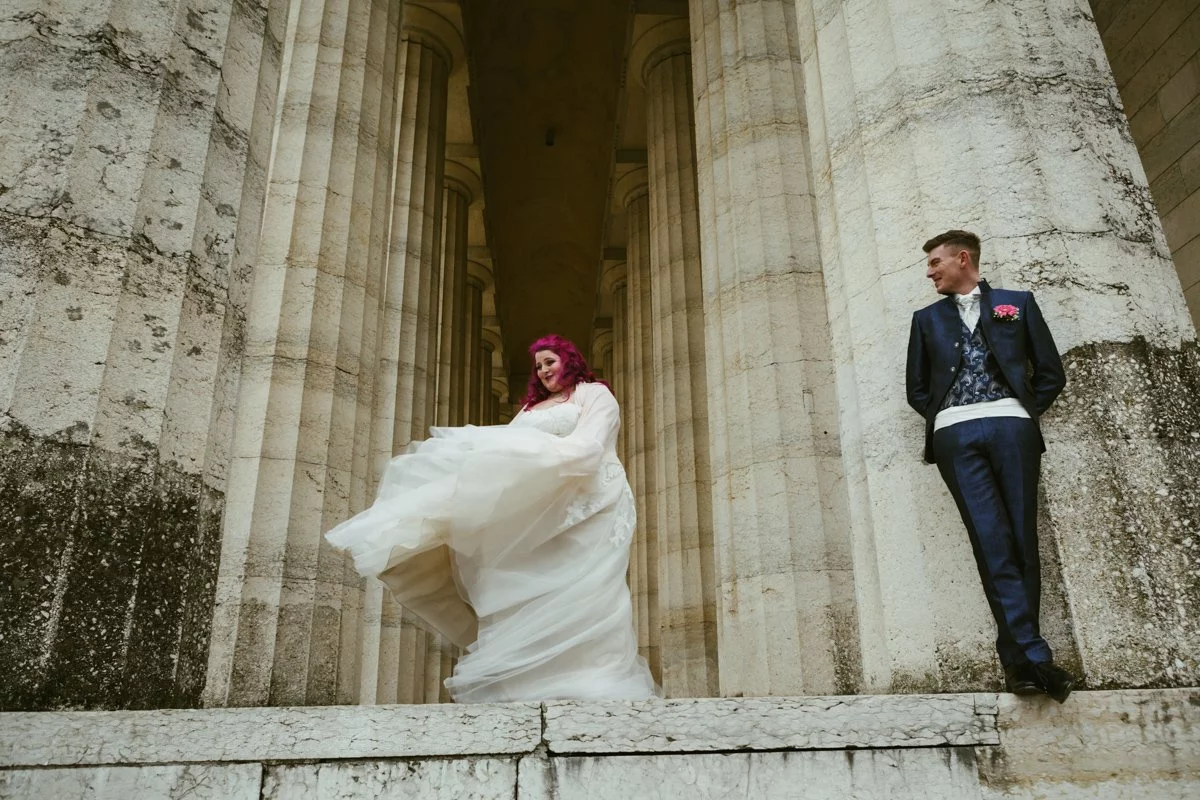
x: 1054, y: 680
x: 1022, y: 679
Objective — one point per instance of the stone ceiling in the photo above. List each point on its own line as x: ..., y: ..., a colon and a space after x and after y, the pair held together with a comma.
x: 546, y: 80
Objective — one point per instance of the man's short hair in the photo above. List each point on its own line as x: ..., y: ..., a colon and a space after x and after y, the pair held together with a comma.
x: 963, y: 239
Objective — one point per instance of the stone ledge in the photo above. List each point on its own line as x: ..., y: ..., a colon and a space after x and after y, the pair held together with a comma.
x: 788, y: 723
x: 315, y: 733
x: 1118, y: 744
x: 1156, y: 730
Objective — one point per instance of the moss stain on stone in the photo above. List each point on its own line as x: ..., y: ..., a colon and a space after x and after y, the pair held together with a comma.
x: 122, y: 622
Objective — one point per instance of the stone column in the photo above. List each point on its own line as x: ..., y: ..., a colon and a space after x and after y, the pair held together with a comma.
x: 499, y: 393
x: 489, y: 344
x: 478, y: 277
x: 687, y: 584
x: 786, y: 622
x: 132, y: 206
x: 642, y: 413
x: 462, y: 189
x: 614, y: 280
x: 602, y: 350
x: 402, y: 409
x: 1008, y: 125
x: 278, y: 630
x: 356, y: 381
x: 351, y: 484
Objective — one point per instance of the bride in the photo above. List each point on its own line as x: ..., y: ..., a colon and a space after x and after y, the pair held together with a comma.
x: 513, y: 542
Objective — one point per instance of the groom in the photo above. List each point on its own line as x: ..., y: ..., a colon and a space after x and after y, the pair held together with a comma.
x: 982, y: 368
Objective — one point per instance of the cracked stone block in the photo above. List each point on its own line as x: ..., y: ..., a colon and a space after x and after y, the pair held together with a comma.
x: 943, y: 774
x: 268, y: 734
x: 459, y: 778
x: 161, y: 782
x: 807, y: 723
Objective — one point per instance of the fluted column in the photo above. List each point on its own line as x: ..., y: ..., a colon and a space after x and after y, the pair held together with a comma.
x: 1057, y: 192
x: 478, y: 278
x: 128, y: 225
x: 779, y: 511
x: 642, y: 415
x: 462, y: 189
x: 371, y: 221
x: 279, y: 628
x: 489, y: 344
x: 615, y: 280
x: 499, y: 393
x: 602, y: 351
x: 401, y: 405
x: 661, y: 59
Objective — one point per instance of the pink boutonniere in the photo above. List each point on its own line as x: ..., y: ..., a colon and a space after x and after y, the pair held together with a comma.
x: 1006, y: 313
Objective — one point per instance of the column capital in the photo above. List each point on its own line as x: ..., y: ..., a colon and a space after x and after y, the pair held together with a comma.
x: 500, y: 387
x: 631, y: 185
x: 422, y: 24
x: 479, y: 273
x: 613, y: 276
x: 491, y: 339
x: 462, y: 179
x: 658, y: 43
x: 602, y: 341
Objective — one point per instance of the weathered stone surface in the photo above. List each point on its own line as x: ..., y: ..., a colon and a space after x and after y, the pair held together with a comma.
x: 161, y: 782
x: 1124, y: 744
x: 1122, y: 481
x: 642, y: 457
x: 121, y: 182
x: 787, y: 597
x: 1139, y: 737
x: 814, y: 775
x: 466, y: 778
x: 1064, y: 210
x: 109, y: 567
x: 809, y: 723
x: 266, y: 734
x: 687, y: 591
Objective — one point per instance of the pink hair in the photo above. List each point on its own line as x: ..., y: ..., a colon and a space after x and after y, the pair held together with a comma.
x: 575, y: 369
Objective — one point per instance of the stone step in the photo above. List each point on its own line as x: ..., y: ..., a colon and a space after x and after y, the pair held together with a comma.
x: 1136, y: 743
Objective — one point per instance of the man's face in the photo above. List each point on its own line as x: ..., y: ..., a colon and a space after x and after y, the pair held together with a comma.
x: 949, y: 267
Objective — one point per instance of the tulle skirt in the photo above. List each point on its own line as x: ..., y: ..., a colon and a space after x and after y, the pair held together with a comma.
x: 478, y: 532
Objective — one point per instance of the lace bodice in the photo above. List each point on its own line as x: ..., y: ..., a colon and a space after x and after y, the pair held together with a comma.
x: 558, y: 420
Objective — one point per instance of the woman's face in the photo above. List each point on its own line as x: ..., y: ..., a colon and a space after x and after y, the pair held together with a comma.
x: 549, y: 369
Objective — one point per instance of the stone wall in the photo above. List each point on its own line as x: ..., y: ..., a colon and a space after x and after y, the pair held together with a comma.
x: 1154, y: 50
x: 1099, y: 744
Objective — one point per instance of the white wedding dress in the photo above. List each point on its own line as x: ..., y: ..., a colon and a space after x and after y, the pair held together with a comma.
x: 513, y: 541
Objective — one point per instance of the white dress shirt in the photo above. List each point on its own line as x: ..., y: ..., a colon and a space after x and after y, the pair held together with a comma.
x: 968, y: 307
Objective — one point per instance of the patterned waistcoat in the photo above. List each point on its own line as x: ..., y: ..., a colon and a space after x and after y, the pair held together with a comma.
x: 979, y: 378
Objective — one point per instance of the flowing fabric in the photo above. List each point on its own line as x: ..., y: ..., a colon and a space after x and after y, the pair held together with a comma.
x: 513, y: 542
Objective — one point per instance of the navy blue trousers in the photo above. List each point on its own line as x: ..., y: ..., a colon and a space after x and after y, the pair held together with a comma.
x: 991, y: 467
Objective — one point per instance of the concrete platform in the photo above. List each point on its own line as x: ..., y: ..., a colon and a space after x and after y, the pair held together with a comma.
x: 1116, y: 744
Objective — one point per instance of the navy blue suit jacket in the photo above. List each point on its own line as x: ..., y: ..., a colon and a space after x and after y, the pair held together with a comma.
x: 1024, y: 350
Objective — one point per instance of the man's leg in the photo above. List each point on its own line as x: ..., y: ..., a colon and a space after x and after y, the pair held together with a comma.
x: 1016, y: 459
x: 963, y: 457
